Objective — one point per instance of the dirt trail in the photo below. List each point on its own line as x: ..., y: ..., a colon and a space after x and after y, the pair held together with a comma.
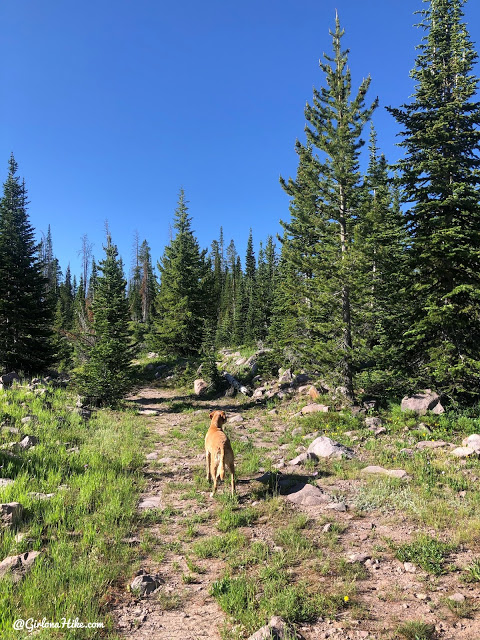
x: 182, y: 607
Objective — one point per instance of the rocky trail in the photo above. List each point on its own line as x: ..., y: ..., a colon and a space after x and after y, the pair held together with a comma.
x: 176, y: 514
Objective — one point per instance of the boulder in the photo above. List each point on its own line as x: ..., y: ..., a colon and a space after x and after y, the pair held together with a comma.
x: 464, y: 452
x: 235, y: 418
x: 200, y: 387
x: 325, y: 447
x: 144, y: 584
x: 17, y: 566
x: 28, y: 442
x: 422, y: 402
x: 473, y: 441
x: 314, y: 408
x: 10, y: 514
x: 431, y: 444
x: 7, y: 378
x: 373, y: 422
x: 285, y: 377
x: 313, y: 392
x: 307, y: 495
x: 258, y: 393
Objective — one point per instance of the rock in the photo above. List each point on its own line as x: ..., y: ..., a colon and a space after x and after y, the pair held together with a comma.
x: 307, y: 495
x: 13, y: 430
x: 337, y: 506
x: 17, y: 566
x: 150, y: 502
x: 258, y: 393
x: 301, y: 458
x: 313, y: 392
x: 297, y: 431
x: 148, y: 412
x: 422, y: 402
x: 276, y: 629
x: 28, y: 442
x: 326, y: 528
x: 200, y: 387
x: 285, y: 377
x: 370, y: 403
x: 144, y: 584
x: 457, y: 597
x: 10, y: 514
x: 358, y: 411
x: 431, y: 444
x: 358, y: 557
x: 27, y: 419
x: 41, y: 496
x: 84, y: 412
x: 235, y: 418
x: 230, y: 392
x: 409, y: 567
x: 464, y: 452
x: 152, y: 456
x: 373, y: 422
x: 7, y: 378
x: 473, y: 441
x: 393, y: 473
x: 4, y: 482
x: 324, y: 447
x: 314, y: 408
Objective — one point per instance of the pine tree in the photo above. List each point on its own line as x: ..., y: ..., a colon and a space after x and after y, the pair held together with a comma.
x: 26, y: 314
x: 250, y: 309
x: 183, y: 301
x: 335, y: 123
x: 105, y: 375
x: 64, y: 316
x: 440, y: 175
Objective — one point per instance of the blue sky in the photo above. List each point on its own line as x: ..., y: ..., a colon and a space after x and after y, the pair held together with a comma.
x: 111, y: 106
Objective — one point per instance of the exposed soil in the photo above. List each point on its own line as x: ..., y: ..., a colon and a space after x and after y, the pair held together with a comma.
x: 389, y: 596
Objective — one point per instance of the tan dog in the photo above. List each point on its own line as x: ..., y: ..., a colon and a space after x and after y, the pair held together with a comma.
x: 218, y: 451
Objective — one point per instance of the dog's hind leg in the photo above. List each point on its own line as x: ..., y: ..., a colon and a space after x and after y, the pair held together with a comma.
x: 208, y: 458
x: 231, y: 468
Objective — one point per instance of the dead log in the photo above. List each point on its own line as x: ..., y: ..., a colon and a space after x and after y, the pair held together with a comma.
x: 233, y: 382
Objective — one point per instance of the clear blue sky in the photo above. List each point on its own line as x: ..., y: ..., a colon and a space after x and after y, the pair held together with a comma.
x: 110, y: 106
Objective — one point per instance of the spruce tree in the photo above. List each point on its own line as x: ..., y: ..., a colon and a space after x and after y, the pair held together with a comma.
x: 26, y: 313
x: 250, y: 309
x: 105, y: 375
x: 64, y: 316
x: 183, y: 301
x: 440, y: 175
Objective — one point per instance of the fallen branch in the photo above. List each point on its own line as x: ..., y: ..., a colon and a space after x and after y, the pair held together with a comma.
x: 236, y: 384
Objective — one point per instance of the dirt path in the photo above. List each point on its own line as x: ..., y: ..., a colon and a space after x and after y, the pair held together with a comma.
x: 183, y: 608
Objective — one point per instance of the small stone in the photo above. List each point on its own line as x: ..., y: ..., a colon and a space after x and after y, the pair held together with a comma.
x: 26, y: 419
x: 150, y: 502
x: 409, y: 567
x: 235, y: 418
x: 314, y: 408
x: 464, y: 452
x: 421, y: 596
x: 10, y: 513
x: 373, y: 422
x: 337, y: 506
x: 28, y: 442
x: 144, y: 584
x: 457, y: 597
x: 327, y: 527
x: 152, y: 456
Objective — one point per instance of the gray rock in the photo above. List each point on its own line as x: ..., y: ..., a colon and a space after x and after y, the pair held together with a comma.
x: 314, y: 408
x: 373, y: 422
x: 337, y: 506
x: 235, y: 418
x: 307, y: 495
x: 302, y: 457
x: 422, y: 402
x: 409, y: 567
x: 28, y: 442
x: 200, y: 387
x: 17, y: 566
x: 10, y: 514
x: 27, y: 419
x: 393, y: 473
x: 324, y: 447
x: 276, y: 629
x: 285, y: 377
x: 152, y: 456
x: 464, y: 452
x: 473, y: 441
x: 144, y: 584
x: 258, y: 393
x: 457, y: 597
x: 431, y: 444
x: 148, y: 412
x: 150, y: 502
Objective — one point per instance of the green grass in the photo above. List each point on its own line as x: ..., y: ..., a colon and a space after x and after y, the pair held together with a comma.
x: 426, y: 552
x: 413, y: 630
x: 80, y: 530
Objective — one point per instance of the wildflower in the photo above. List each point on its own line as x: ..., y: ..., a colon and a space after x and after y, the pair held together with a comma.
x: 346, y: 598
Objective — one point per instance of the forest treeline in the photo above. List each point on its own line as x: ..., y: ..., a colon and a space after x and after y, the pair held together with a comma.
x: 374, y: 282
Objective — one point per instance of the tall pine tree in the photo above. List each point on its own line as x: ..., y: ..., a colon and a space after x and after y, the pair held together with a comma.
x: 440, y: 175
x: 26, y: 313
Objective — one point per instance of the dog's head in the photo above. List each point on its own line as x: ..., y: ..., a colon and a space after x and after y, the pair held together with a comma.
x: 218, y: 418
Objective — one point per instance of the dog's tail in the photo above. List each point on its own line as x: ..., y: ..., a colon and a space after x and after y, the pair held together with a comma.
x: 221, y: 464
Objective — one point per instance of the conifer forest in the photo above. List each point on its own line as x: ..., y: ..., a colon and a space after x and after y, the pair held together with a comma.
x: 374, y: 283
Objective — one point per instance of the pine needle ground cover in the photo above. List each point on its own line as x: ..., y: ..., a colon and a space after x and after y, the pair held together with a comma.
x: 91, y: 468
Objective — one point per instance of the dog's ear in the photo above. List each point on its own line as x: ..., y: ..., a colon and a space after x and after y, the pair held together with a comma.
x: 211, y: 414
x: 224, y: 415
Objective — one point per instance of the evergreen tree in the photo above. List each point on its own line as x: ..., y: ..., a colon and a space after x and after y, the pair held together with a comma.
x: 265, y: 279
x: 440, y: 177
x: 148, y: 283
x: 26, y: 314
x: 183, y: 301
x: 335, y: 123
x: 249, y: 310
x: 64, y: 317
x: 105, y: 375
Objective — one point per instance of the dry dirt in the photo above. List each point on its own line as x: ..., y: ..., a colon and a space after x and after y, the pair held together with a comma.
x: 387, y: 597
